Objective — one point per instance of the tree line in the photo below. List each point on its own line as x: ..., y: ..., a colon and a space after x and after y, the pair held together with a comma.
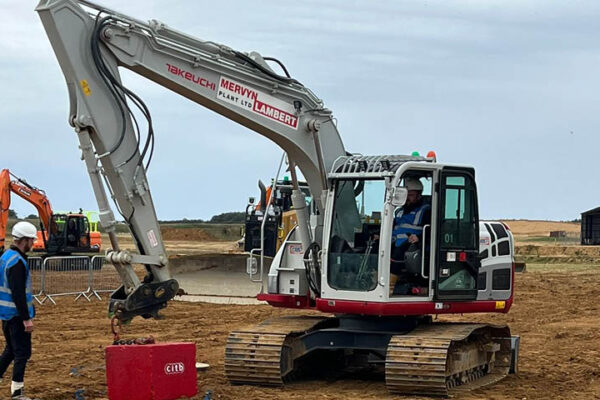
x: 233, y: 217
x: 223, y: 218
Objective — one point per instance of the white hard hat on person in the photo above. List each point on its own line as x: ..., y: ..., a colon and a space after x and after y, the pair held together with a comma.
x: 24, y: 229
x: 413, y: 184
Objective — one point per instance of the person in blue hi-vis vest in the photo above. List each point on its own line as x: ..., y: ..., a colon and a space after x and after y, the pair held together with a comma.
x: 408, y: 229
x: 16, y: 306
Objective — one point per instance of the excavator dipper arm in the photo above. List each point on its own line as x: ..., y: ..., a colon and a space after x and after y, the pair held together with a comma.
x: 91, y: 44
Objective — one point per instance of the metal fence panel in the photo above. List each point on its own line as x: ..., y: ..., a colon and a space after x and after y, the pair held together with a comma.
x: 35, y: 270
x: 81, y: 276
x: 105, y: 278
x: 63, y: 276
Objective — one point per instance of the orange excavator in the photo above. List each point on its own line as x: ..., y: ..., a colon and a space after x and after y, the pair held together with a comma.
x: 59, y: 233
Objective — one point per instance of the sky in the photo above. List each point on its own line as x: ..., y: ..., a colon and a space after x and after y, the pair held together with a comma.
x: 509, y: 87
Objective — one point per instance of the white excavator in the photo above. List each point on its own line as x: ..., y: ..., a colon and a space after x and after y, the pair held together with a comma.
x: 337, y: 259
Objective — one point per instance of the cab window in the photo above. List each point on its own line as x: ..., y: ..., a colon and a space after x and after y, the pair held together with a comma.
x: 354, y: 239
x: 459, y: 216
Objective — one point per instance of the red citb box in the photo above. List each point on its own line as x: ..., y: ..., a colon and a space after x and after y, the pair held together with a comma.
x: 165, y: 371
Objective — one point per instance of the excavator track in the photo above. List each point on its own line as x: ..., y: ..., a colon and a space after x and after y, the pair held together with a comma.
x: 432, y: 359
x: 263, y: 354
x: 437, y: 359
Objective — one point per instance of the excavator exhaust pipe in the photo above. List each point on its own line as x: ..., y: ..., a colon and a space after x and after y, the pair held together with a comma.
x: 263, y: 196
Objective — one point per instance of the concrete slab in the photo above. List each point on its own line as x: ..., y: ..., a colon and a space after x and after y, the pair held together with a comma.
x: 220, y: 275
x: 219, y: 299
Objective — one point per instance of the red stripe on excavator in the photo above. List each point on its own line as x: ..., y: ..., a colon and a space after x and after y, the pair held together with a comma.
x: 374, y: 308
x: 412, y: 308
x: 285, y: 300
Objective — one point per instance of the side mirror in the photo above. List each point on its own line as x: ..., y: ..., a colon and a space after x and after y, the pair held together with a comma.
x: 399, y: 196
x: 251, y: 200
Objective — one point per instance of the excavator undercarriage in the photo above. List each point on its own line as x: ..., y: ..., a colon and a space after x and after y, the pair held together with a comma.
x: 416, y: 355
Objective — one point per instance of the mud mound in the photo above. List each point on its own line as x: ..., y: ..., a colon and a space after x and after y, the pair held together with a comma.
x: 557, y: 254
x: 191, y: 234
x: 550, y: 250
x: 541, y: 228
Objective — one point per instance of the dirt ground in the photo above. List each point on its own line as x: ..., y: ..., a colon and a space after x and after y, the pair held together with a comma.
x: 186, y: 234
x: 185, y: 242
x: 556, y: 313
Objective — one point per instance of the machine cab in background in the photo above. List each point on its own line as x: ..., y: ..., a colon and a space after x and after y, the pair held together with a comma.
x: 362, y: 257
x: 70, y: 233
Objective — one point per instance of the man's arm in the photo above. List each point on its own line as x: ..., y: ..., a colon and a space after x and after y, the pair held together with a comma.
x: 17, y: 279
x: 425, y: 220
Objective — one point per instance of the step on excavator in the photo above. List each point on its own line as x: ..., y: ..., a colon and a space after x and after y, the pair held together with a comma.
x: 337, y: 259
x: 60, y: 233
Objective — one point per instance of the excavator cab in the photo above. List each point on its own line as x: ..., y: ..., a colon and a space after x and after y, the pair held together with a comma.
x: 356, y: 269
x: 361, y: 258
x: 70, y: 233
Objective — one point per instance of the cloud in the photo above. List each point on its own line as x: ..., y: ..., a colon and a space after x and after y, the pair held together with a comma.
x: 498, y: 84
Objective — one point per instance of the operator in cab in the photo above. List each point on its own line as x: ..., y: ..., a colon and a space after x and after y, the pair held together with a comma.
x: 407, y: 239
x: 16, y: 306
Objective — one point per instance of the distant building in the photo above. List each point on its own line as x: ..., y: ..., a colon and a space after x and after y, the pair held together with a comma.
x: 590, y: 226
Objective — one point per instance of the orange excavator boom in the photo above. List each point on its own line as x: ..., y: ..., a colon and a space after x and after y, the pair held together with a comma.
x: 33, y: 195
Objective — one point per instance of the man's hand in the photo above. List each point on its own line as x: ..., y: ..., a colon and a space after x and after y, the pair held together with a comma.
x: 28, y: 325
x: 413, y: 239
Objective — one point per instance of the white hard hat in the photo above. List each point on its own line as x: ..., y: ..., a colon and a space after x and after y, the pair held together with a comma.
x: 413, y: 184
x: 24, y: 229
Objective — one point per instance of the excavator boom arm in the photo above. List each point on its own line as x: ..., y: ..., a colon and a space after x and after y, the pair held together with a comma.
x: 90, y: 46
x: 29, y: 193
x: 4, y: 205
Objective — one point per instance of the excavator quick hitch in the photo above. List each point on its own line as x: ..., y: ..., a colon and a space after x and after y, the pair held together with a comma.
x: 146, y: 300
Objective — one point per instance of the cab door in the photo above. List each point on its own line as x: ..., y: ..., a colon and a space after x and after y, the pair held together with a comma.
x: 84, y: 232
x: 458, y: 236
